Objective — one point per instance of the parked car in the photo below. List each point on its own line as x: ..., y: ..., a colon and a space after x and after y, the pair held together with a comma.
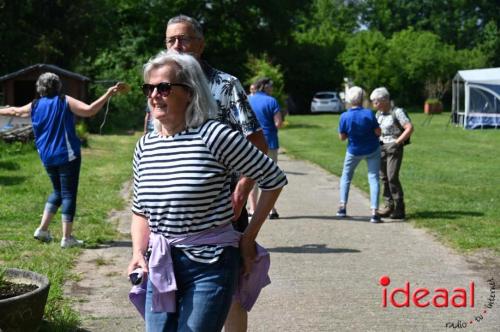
x: 326, y: 101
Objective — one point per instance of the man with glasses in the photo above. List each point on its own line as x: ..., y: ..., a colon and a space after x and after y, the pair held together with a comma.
x: 396, y: 130
x: 184, y: 34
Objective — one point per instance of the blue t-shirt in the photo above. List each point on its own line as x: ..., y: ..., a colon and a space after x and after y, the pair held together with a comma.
x: 265, y: 107
x: 54, y: 129
x: 359, y: 125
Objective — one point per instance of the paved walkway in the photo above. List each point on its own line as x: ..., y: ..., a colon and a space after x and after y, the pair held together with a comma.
x: 325, y: 271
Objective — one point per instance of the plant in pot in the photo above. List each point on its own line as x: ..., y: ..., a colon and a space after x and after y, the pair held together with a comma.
x: 23, y: 295
x: 435, y: 90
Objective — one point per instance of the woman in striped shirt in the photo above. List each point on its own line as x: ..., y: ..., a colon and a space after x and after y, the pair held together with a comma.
x: 182, y: 203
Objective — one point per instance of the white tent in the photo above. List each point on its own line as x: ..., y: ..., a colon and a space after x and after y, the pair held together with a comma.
x: 476, y: 98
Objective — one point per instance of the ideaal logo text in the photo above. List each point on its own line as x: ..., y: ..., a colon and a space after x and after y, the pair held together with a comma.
x: 422, y: 297
x: 458, y: 297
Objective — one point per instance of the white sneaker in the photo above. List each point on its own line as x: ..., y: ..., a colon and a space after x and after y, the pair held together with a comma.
x: 42, y: 235
x: 70, y: 242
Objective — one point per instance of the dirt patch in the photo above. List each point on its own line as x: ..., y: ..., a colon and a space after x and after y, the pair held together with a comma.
x: 9, y: 289
x: 486, y: 262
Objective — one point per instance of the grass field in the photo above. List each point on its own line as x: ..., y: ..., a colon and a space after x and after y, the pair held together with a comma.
x: 24, y: 187
x: 449, y: 174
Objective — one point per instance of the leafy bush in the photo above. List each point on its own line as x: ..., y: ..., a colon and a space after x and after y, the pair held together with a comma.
x: 263, y: 67
x: 82, y: 133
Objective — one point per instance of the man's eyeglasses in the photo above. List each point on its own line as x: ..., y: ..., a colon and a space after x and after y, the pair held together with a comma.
x: 162, y: 88
x: 182, y: 39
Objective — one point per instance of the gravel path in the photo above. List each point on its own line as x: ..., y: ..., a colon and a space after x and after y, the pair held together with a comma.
x: 325, y: 271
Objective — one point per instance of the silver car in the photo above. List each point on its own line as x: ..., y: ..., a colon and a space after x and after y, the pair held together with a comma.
x: 326, y: 101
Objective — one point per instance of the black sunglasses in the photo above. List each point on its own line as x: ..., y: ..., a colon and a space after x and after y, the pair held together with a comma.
x: 162, y: 88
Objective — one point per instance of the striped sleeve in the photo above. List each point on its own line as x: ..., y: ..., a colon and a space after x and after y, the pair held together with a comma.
x: 236, y: 153
x: 136, y: 205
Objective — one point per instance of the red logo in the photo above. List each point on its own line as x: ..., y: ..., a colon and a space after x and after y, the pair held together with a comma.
x: 423, y: 297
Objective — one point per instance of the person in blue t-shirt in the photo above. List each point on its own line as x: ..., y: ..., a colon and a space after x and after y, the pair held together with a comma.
x: 268, y: 113
x: 53, y: 120
x: 361, y: 129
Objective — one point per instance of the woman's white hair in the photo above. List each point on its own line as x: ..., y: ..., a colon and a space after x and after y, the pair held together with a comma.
x: 380, y: 93
x: 354, y: 96
x: 189, y: 72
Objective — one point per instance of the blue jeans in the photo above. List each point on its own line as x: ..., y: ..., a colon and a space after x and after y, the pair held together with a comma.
x: 204, y: 294
x: 64, y: 180
x: 350, y: 163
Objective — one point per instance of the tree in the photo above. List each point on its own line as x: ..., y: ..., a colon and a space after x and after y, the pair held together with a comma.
x: 263, y: 67
x: 55, y: 32
x: 456, y: 22
x: 365, y: 59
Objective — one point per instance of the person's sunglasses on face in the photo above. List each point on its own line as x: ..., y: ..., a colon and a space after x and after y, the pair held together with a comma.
x: 162, y: 88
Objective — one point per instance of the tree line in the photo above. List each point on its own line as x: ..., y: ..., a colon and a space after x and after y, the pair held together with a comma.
x: 412, y: 47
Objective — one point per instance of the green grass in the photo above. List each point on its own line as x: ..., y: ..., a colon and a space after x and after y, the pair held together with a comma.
x: 450, y: 175
x: 24, y: 187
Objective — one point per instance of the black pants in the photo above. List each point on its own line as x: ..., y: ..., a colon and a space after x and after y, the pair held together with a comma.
x: 390, y: 164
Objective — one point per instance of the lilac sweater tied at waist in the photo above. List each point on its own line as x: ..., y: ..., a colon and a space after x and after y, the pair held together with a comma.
x: 161, y: 269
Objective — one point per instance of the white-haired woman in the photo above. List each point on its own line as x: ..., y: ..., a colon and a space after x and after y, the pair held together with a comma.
x: 396, y: 129
x: 360, y: 127
x: 182, y: 205
x: 52, y: 116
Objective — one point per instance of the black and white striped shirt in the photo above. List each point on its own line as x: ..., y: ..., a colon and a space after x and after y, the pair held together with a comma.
x: 181, y: 183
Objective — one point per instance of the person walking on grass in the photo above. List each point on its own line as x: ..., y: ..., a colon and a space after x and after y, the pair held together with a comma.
x: 361, y: 130
x: 396, y: 130
x: 53, y: 119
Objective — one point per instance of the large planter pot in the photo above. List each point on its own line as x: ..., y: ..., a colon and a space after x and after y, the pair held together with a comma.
x: 24, y: 312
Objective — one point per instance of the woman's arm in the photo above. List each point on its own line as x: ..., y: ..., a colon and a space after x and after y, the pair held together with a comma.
x: 245, y: 184
x: 85, y: 110
x: 408, y: 130
x: 139, y: 230
x: 22, y: 112
x: 265, y: 203
x: 278, y: 120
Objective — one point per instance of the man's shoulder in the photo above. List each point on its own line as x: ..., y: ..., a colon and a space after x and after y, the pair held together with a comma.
x: 264, y: 97
x: 398, y: 110
x: 217, y: 75
x: 401, y: 114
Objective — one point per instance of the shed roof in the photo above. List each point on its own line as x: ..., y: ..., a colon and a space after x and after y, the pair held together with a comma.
x: 486, y: 75
x: 45, y: 67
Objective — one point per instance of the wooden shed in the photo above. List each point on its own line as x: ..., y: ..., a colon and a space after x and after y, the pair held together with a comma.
x: 19, y: 87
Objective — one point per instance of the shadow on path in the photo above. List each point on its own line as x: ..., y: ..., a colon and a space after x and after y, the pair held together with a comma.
x: 307, y: 217
x: 113, y: 244
x: 295, y: 173
x: 313, y: 249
